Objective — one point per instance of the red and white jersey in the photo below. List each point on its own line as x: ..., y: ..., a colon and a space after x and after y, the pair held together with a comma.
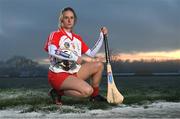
x: 63, y: 41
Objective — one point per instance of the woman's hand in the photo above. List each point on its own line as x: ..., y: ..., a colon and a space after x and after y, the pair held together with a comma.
x: 104, y: 30
x: 80, y: 60
x: 98, y: 59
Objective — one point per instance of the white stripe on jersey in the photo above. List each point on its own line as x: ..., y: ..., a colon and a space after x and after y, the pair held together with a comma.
x: 51, y: 37
x: 93, y: 51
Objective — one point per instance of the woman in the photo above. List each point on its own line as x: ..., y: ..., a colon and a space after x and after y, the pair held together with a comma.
x: 68, y: 72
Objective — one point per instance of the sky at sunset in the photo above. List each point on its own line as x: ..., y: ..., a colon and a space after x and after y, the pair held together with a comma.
x: 138, y: 29
x: 159, y: 56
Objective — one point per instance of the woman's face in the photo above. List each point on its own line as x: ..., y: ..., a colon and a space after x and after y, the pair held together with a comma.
x: 68, y: 20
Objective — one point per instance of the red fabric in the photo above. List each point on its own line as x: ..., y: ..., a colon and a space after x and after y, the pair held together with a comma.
x: 54, y: 38
x: 95, y: 92
x: 46, y: 45
x: 56, y: 79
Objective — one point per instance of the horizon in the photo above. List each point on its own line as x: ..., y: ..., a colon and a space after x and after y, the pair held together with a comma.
x: 135, y: 56
x: 130, y: 57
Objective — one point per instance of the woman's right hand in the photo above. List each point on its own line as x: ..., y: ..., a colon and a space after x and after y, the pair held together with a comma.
x: 80, y: 60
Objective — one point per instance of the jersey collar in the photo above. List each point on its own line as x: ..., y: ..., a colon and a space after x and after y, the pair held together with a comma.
x: 64, y: 32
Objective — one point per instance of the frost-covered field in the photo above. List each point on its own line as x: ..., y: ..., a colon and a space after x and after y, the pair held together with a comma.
x: 154, y: 110
x: 145, y: 97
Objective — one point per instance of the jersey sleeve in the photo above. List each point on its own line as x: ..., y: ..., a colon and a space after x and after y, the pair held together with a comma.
x: 46, y: 44
x: 84, y: 47
x: 52, y: 40
x: 93, y: 51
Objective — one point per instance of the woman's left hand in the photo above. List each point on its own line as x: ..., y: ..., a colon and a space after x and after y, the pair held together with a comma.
x: 104, y: 30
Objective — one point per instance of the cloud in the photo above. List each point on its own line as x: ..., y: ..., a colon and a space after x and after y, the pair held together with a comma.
x: 16, y: 26
x: 139, y: 25
x: 17, y: 23
x: 171, y: 3
x: 1, y: 31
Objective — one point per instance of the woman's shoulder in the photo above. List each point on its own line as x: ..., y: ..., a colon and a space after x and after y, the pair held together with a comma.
x: 56, y: 33
x: 77, y: 36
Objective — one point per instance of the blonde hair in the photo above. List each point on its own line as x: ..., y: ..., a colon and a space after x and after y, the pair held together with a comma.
x: 62, y: 12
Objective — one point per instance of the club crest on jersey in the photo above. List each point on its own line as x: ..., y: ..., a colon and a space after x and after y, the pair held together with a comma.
x: 66, y: 45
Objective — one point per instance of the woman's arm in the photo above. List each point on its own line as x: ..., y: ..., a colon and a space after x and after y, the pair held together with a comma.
x: 62, y: 54
x: 93, y: 51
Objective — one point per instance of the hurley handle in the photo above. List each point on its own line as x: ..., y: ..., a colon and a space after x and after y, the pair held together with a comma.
x: 106, y: 49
